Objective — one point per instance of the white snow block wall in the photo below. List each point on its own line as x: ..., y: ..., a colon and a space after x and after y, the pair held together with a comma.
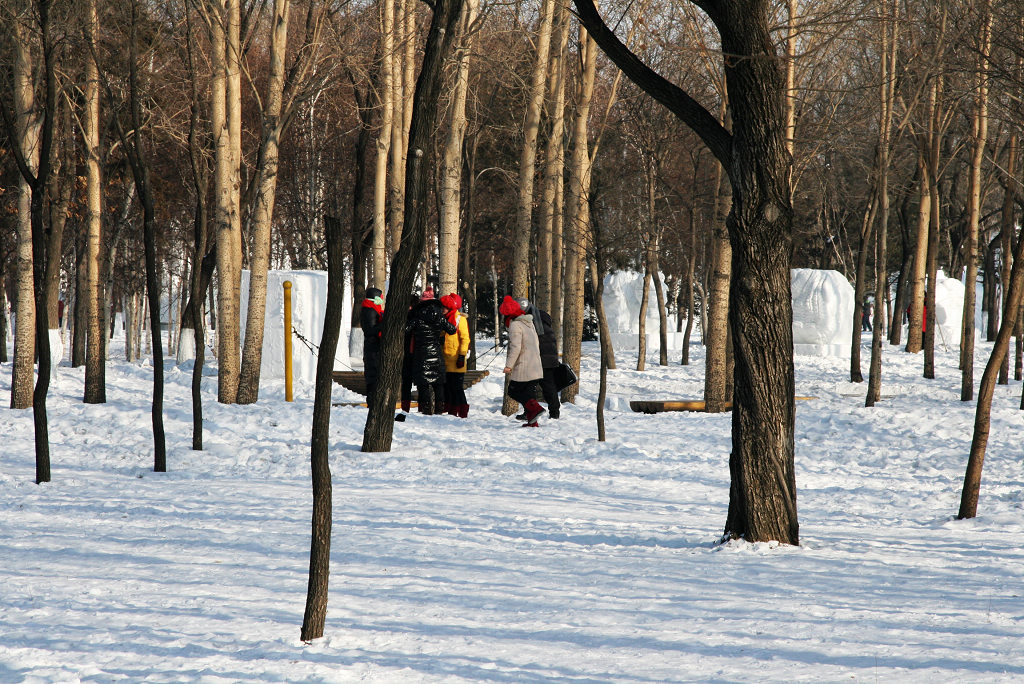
x: 309, y: 303
x: 623, y: 291
x: 823, y: 304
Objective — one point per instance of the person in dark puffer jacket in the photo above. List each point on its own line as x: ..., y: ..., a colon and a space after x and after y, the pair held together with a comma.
x: 427, y: 322
x: 371, y: 320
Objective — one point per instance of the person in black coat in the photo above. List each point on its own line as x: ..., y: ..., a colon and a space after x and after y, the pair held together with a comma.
x: 548, y: 355
x: 428, y: 324
x: 371, y: 320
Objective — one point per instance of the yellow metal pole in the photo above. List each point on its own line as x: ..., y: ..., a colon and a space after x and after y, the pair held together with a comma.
x: 287, y: 340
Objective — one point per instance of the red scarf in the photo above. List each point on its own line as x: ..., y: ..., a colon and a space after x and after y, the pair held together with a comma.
x: 370, y: 304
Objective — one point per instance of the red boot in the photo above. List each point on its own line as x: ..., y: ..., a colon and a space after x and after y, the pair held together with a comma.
x: 533, y: 411
x: 462, y: 410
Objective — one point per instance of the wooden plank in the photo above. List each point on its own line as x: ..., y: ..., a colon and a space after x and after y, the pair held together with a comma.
x: 655, y: 406
x: 356, y: 382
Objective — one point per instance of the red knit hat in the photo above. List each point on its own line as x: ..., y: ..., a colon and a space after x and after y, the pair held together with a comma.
x: 510, y: 307
x: 452, y: 301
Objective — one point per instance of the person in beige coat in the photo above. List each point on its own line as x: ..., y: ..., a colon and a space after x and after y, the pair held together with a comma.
x: 522, y: 363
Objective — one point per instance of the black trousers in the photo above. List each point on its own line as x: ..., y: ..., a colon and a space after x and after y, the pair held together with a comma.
x: 454, y: 389
x: 431, y: 398
x: 548, y: 388
x: 523, y: 391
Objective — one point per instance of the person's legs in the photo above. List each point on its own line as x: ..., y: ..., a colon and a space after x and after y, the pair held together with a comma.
x: 524, y: 393
x: 547, y: 387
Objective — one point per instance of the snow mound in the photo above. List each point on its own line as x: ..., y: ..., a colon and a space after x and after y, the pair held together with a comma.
x: 949, y: 310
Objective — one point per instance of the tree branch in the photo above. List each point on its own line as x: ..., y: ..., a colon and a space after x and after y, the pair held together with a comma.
x: 677, y: 100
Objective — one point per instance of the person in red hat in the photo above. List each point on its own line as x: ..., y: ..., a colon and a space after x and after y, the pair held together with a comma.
x: 522, y: 363
x: 456, y: 346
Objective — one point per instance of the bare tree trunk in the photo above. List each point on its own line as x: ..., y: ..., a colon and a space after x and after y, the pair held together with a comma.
x: 641, y: 356
x: 579, y: 213
x: 1006, y: 234
x: 718, y: 307
x: 860, y: 286
x: 3, y: 316
x: 528, y: 157
x: 440, y: 43
x: 980, y: 136
x: 932, y: 258
x: 888, y: 84
x: 924, y: 208
x: 451, y: 165
x: 396, y: 187
x: 690, y: 273
x: 263, y: 215
x: 387, y: 98
x: 28, y: 130
x: 597, y: 271
x: 320, y: 539
x: 548, y: 264
x: 972, y: 478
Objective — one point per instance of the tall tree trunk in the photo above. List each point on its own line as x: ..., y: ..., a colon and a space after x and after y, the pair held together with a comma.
x: 641, y: 355
x: 932, y: 257
x: 718, y: 308
x: 440, y: 43
x: 860, y: 285
x: 27, y: 125
x: 1006, y: 242
x: 690, y: 274
x: 227, y: 306
x: 924, y: 209
x: 383, y: 145
x: 95, y: 358
x: 579, y: 215
x: 3, y: 316
x: 979, y: 129
x: 554, y: 159
x: 319, y: 447
x: 972, y: 478
x: 263, y: 214
x: 888, y: 85
x: 396, y: 188
x: 528, y: 156
x: 451, y: 165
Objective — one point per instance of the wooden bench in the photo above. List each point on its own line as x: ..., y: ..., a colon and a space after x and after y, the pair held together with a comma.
x: 356, y: 381
x: 666, y: 406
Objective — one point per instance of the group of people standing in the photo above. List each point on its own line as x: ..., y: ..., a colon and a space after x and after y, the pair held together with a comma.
x: 436, y: 345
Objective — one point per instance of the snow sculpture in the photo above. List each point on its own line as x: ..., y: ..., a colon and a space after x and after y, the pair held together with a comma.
x: 823, y: 303
x: 623, y: 291
x: 949, y: 311
x: 309, y: 302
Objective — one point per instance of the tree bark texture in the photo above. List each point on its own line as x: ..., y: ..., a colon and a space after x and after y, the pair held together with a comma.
x: 982, y: 423
x: 980, y: 135
x: 27, y: 125
x: 319, y: 447
x: 451, y: 165
x: 263, y: 214
x: 440, y: 43
x: 763, y: 493
x: 528, y: 156
x: 578, y: 214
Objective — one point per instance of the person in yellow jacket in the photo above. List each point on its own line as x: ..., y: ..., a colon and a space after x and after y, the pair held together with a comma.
x: 456, y: 346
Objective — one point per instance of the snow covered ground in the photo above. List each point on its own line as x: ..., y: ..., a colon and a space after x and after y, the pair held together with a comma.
x: 477, y: 551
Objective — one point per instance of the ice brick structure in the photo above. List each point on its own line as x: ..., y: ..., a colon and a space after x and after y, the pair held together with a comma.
x: 623, y: 291
x: 823, y: 303
x: 309, y: 302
